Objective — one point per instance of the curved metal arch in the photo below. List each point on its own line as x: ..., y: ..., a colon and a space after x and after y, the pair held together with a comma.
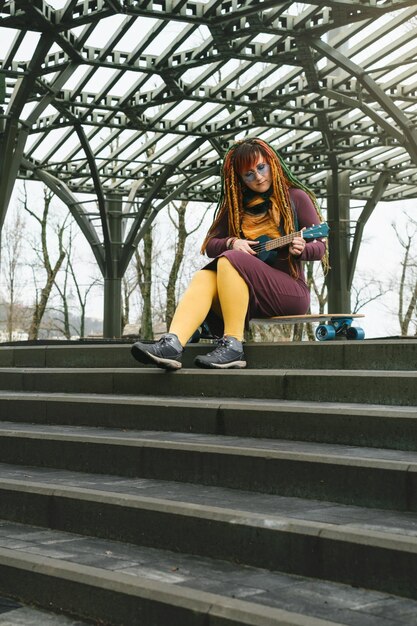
x: 150, y: 219
x: 14, y: 138
x: 366, y: 213
x: 410, y: 133
x: 78, y: 211
x: 101, y: 201
x: 132, y: 238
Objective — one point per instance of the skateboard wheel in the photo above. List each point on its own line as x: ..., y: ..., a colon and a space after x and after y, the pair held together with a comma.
x: 355, y: 333
x: 325, y: 332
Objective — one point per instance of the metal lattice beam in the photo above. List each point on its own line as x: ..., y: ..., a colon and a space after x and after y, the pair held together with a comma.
x: 139, y: 99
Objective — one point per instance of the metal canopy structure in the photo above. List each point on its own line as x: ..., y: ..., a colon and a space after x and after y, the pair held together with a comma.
x: 133, y: 102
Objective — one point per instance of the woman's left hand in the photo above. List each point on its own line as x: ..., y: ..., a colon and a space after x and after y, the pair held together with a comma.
x: 297, y: 246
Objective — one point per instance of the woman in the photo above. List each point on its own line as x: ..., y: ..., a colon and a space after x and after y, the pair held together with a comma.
x: 259, y: 197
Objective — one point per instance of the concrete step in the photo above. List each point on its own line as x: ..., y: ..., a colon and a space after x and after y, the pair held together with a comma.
x: 13, y: 613
x: 370, y: 476
x: 289, y: 535
x: 333, y: 355
x: 124, y: 584
x: 374, y: 387
x: 306, y: 477
x: 371, y: 425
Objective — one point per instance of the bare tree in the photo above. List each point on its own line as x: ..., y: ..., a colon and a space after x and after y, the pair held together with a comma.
x: 143, y: 268
x: 318, y: 288
x: 143, y: 265
x: 70, y: 286
x: 12, y: 239
x: 366, y: 291
x: 178, y: 220
x: 407, y: 292
x: 129, y: 284
x: 63, y: 324
x: 317, y: 284
x: 82, y: 296
x: 51, y: 268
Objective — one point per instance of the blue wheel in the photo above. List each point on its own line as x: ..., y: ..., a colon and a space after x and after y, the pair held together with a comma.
x: 325, y: 332
x: 355, y: 333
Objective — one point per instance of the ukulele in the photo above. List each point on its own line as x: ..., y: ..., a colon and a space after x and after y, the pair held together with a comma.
x: 266, y: 247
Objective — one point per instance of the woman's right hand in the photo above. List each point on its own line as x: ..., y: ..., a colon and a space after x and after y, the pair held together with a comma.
x: 244, y: 245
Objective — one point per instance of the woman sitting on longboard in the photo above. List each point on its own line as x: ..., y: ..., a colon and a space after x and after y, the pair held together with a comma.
x: 259, y: 197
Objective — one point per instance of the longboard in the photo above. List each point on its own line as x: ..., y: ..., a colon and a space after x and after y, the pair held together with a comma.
x: 338, y: 324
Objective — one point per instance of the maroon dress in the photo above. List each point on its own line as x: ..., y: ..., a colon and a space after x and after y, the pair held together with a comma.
x: 272, y: 289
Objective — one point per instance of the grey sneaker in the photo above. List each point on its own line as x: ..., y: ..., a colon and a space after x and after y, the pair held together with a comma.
x: 229, y: 353
x: 165, y: 353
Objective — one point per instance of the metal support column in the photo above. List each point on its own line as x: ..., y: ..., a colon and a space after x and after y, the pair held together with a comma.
x: 338, y: 214
x: 112, y: 318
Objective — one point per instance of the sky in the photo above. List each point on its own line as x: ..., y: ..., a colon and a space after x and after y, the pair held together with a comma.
x: 380, y: 258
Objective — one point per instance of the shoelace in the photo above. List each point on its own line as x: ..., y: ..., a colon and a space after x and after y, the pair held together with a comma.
x: 165, y: 340
x: 221, y: 344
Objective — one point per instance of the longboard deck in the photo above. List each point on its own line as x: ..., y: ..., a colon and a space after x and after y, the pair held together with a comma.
x: 311, y: 317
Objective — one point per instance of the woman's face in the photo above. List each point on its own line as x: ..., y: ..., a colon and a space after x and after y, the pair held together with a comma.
x: 258, y: 177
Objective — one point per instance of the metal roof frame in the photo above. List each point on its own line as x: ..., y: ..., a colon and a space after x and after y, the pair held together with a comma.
x: 137, y: 100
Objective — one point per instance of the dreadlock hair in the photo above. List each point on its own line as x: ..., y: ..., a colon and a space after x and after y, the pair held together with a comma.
x: 240, y: 157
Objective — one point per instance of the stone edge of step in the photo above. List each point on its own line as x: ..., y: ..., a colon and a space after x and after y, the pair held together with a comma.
x: 87, y: 578
x: 268, y: 522
x: 215, y: 403
x: 133, y: 440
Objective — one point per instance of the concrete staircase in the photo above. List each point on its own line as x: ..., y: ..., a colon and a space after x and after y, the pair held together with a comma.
x: 281, y: 494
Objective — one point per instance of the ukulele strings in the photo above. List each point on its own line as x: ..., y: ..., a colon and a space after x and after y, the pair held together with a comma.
x: 276, y: 243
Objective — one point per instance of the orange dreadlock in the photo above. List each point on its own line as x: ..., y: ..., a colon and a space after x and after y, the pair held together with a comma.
x: 240, y: 157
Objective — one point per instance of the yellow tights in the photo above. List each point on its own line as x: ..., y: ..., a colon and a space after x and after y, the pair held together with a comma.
x: 224, y: 291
